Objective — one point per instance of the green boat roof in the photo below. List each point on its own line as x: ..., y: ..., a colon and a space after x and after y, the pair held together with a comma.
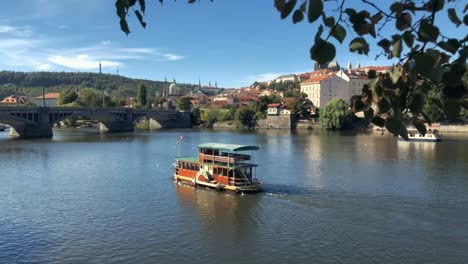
x: 188, y: 159
x: 227, y: 147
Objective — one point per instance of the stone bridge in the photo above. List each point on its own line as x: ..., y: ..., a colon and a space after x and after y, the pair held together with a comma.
x: 37, y: 122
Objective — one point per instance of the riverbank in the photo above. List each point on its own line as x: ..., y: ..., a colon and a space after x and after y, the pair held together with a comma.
x: 439, y: 127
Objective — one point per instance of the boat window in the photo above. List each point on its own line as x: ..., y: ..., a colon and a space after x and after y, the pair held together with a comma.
x: 215, y: 170
x: 216, y: 152
x: 225, y: 172
x: 231, y: 173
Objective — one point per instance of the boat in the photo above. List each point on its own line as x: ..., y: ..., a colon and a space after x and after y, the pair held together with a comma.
x: 430, y: 136
x: 219, y: 166
x: 3, y: 127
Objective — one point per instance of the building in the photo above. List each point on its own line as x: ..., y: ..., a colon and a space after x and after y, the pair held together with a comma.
x: 11, y: 100
x: 274, y: 109
x: 50, y: 100
x: 321, y: 89
x: 285, y: 78
x: 356, y: 81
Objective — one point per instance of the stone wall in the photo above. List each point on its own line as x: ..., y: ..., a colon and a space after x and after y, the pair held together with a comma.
x: 278, y: 122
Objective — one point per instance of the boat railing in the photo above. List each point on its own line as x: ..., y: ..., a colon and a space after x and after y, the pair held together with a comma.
x: 231, y: 159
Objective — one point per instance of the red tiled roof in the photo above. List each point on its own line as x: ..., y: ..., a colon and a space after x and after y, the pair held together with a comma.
x: 274, y: 105
x: 50, y: 96
x: 320, y: 78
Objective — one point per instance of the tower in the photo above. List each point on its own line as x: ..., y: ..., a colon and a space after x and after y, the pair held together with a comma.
x: 100, y: 67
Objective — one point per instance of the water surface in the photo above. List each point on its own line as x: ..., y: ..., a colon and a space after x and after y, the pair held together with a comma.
x: 86, y: 197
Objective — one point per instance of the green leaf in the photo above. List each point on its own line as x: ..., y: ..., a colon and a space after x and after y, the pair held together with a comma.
x: 369, y: 113
x: 384, y: 105
x: 385, y: 44
x: 279, y: 4
x: 420, y: 127
x: 338, y: 32
x: 417, y: 103
x: 403, y: 132
x: 142, y: 5
x: 372, y: 74
x: 451, y: 45
x: 397, y: 46
x: 120, y: 9
x: 393, y: 125
x: 350, y: 12
x: 298, y: 16
x: 452, y: 14
x: 315, y: 10
x: 140, y: 18
x: 322, y: 52
x: 403, y: 21
x: 408, y: 38
x: 378, y: 121
x: 359, y: 45
x: 396, y: 8
x: 434, y: 5
x: 303, y: 7
x: 452, y: 108
x: 376, y: 18
x: 396, y: 73
x: 423, y: 64
x: 328, y: 21
x: 124, y: 26
x: 428, y: 32
x: 289, y: 7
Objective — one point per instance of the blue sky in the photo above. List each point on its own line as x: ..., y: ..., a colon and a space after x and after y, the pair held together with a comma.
x: 231, y: 42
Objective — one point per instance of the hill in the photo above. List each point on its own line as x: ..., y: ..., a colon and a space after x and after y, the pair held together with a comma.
x: 31, y: 83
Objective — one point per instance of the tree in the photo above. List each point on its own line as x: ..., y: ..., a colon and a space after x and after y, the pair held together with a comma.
x: 334, y: 115
x: 408, y: 33
x: 196, y: 116
x: 142, y: 96
x: 88, y: 97
x: 67, y: 97
x: 209, y: 116
x: 184, y: 103
x: 302, y: 106
x: 245, y: 117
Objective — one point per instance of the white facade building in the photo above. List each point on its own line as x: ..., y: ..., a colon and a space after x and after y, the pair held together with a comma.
x: 322, y: 89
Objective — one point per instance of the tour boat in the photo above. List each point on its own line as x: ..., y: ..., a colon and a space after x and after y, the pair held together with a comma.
x: 430, y: 136
x: 219, y: 166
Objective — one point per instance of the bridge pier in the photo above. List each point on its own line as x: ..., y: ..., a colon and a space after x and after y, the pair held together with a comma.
x: 41, y: 129
x: 116, y: 126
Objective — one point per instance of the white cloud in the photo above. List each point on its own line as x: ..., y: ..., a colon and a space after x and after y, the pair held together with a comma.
x: 15, y: 31
x: 105, y: 42
x: 81, y: 62
x: 43, y: 67
x: 18, y: 48
x: 173, y: 57
x: 262, y: 77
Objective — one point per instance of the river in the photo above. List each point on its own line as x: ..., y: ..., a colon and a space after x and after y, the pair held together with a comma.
x: 86, y: 197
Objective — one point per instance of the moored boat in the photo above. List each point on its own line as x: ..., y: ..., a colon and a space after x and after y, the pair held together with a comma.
x: 3, y: 127
x: 219, y: 166
x: 430, y: 136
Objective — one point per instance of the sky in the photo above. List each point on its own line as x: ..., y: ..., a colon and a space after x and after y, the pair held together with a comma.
x: 233, y: 43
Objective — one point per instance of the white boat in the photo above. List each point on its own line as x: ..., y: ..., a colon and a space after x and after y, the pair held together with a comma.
x: 430, y: 136
x: 3, y: 127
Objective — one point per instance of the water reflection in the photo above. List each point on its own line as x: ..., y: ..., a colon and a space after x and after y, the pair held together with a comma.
x: 222, y: 212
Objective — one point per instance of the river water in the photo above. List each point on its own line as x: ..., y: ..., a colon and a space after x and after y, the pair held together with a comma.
x: 86, y: 197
